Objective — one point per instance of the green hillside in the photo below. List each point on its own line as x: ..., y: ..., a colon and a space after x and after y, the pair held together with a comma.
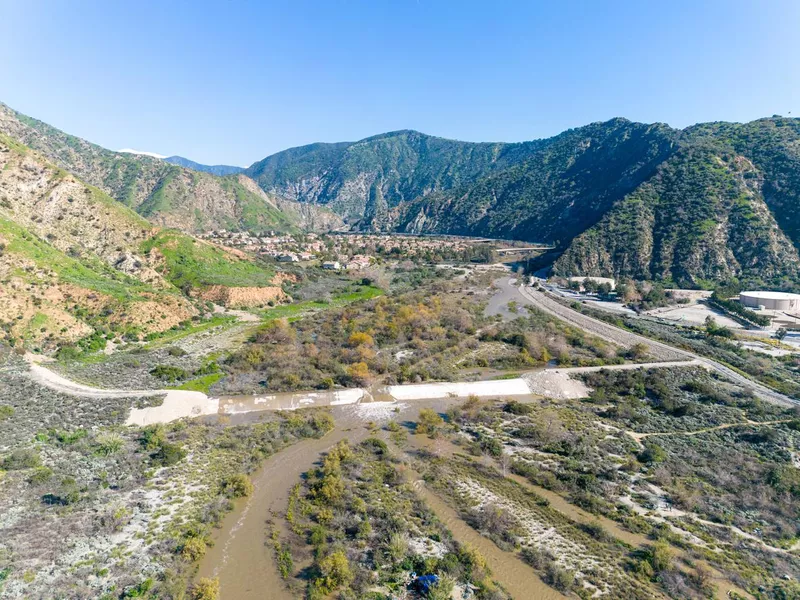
x: 701, y: 218
x: 192, y: 263
x: 710, y: 202
x: 79, y: 268
x: 396, y: 167
x: 713, y: 201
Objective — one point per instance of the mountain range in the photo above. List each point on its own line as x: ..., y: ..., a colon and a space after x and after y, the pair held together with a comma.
x: 685, y: 206
x: 219, y: 170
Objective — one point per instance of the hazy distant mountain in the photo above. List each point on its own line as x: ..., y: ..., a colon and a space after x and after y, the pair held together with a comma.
x: 213, y: 169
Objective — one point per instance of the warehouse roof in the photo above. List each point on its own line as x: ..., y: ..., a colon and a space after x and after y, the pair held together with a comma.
x: 771, y: 295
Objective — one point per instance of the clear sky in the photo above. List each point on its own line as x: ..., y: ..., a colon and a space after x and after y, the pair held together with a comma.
x: 231, y: 82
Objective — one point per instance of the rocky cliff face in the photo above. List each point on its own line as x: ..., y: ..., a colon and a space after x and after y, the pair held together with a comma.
x: 243, y: 297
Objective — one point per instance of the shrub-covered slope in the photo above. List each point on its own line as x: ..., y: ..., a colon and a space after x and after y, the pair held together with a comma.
x: 167, y: 194
x: 713, y: 201
x: 362, y: 180
x: 703, y: 216
x: 76, y: 266
x: 555, y: 193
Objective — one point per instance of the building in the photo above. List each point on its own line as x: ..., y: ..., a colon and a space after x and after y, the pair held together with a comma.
x: 771, y: 300
x: 331, y: 265
x: 359, y: 261
x: 288, y: 258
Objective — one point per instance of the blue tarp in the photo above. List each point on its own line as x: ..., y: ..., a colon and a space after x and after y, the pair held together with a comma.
x: 425, y: 583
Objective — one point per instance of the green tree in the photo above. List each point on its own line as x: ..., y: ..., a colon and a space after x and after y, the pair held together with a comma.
x: 429, y: 422
x: 334, y: 572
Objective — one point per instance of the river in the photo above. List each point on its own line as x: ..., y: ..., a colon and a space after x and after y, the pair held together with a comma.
x: 243, y: 558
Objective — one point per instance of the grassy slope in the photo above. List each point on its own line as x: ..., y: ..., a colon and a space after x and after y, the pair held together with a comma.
x: 195, y: 263
x: 255, y: 214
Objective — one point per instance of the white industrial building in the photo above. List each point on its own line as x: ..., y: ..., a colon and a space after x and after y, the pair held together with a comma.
x: 771, y: 300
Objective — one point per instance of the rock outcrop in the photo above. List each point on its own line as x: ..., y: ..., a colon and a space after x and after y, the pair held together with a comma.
x: 243, y: 297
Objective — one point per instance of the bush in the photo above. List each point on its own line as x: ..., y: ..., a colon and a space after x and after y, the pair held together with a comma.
x: 661, y: 556
x: 169, y: 373
x: 206, y: 589
x: 6, y: 412
x: 237, y: 486
x: 109, y: 443
x: 40, y: 475
x: 559, y: 578
x: 168, y: 454
x: 429, y: 422
x: 442, y: 589
x: 68, y: 495
x: 21, y: 459
x: 518, y: 408
x: 193, y: 549
x: 334, y: 572
x: 652, y: 454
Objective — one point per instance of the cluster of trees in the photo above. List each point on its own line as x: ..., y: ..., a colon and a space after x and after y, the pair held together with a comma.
x: 346, y: 346
x: 721, y: 301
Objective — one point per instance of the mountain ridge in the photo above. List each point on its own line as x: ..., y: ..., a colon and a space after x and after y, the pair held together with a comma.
x: 740, y: 183
x: 219, y: 170
x: 169, y: 195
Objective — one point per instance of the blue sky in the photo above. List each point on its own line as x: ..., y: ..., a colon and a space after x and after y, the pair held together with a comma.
x: 231, y: 82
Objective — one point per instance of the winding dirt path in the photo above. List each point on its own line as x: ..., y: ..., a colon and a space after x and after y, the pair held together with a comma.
x: 747, y: 423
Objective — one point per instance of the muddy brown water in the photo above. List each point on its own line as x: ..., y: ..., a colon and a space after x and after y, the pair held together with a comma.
x: 556, y: 500
x: 243, y: 559
x: 518, y: 578
x: 241, y: 556
x: 445, y: 447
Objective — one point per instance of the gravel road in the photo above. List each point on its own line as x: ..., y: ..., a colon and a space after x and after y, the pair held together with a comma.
x: 658, y: 350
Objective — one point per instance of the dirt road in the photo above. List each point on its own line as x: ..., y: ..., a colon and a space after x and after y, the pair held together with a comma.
x: 663, y: 351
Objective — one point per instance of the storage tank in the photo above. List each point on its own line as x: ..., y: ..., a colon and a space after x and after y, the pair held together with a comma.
x: 771, y: 300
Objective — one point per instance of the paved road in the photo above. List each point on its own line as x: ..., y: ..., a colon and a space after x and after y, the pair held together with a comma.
x: 626, y: 338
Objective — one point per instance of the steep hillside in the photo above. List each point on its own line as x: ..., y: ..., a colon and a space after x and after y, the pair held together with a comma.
x: 218, y: 170
x: 562, y: 188
x: 713, y: 201
x: 78, y: 267
x: 773, y: 145
x: 363, y: 180
x: 167, y: 194
x: 70, y: 262
x: 701, y: 218
x: 618, y: 197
